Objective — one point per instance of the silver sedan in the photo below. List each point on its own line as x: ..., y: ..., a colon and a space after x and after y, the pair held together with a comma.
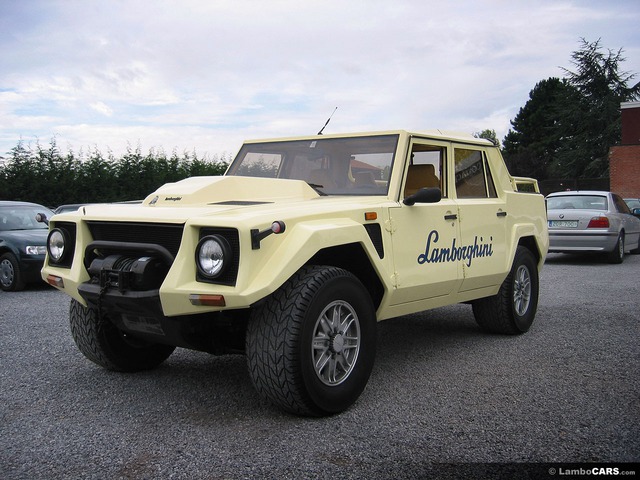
x: 592, y: 221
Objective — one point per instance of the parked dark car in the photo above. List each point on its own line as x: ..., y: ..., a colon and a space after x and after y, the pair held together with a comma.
x: 23, y: 243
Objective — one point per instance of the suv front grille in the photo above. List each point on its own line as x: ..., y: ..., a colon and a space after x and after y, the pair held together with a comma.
x: 166, y: 234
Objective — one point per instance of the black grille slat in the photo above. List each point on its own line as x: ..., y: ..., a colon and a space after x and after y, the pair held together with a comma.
x: 167, y: 235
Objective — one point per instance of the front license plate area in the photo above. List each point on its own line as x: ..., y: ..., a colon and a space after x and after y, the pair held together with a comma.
x: 563, y: 223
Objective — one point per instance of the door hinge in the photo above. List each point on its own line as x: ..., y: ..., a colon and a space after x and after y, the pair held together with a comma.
x: 389, y: 226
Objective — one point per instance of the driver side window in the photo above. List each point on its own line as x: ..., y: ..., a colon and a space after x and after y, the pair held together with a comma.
x: 426, y: 168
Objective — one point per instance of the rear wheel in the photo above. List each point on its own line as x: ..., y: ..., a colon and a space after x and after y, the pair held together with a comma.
x: 311, y: 345
x: 617, y: 254
x: 512, y: 310
x: 104, y: 344
x: 10, y: 275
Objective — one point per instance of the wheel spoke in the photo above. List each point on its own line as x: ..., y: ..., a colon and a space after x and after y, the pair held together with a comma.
x: 344, y: 362
x: 321, y: 342
x: 333, y: 370
x: 325, y: 325
x: 346, y: 324
x: 335, y: 318
x: 323, y: 359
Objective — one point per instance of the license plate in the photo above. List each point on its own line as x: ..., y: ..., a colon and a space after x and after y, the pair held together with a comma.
x: 563, y: 223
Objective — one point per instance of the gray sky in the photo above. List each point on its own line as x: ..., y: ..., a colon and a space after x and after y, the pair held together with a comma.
x: 205, y: 75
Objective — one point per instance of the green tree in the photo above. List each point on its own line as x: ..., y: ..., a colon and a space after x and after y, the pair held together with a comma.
x: 488, y: 134
x: 96, y: 180
x: 540, y: 129
x: 46, y: 176
x: 567, y: 126
x: 602, y: 87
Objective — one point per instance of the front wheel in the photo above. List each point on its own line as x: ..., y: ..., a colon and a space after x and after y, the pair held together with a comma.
x: 512, y: 310
x: 104, y: 344
x: 311, y: 345
x: 10, y: 275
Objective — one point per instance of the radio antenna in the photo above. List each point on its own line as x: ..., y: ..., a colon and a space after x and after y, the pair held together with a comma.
x: 328, y: 120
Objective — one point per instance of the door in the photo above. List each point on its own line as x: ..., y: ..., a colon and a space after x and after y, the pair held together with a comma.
x: 424, y: 235
x: 483, y: 220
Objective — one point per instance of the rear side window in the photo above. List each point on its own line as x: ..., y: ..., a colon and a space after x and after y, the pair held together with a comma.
x: 473, y: 177
x: 620, y: 205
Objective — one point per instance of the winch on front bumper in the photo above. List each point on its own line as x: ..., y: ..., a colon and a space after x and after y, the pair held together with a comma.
x: 124, y: 287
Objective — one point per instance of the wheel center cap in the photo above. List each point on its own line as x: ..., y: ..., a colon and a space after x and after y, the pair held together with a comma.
x: 337, y: 343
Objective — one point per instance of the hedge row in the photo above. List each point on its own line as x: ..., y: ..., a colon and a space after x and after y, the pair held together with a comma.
x: 46, y: 176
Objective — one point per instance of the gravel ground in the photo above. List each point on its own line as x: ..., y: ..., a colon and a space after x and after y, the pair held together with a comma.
x: 444, y: 399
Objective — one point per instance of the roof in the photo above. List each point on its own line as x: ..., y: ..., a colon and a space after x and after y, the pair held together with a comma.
x: 9, y: 203
x: 579, y: 192
x: 435, y: 134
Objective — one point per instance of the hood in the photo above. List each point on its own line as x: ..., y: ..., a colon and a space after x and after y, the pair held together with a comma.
x: 232, y: 190
x: 204, y: 196
x: 24, y: 237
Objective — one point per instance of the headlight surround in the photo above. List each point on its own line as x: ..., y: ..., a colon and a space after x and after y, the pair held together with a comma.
x: 56, y: 245
x: 213, y: 255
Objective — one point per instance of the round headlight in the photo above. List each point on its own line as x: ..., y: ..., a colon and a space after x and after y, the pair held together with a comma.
x: 212, y: 256
x: 56, y: 244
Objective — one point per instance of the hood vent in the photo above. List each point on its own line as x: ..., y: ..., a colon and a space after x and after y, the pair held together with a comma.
x: 239, y: 202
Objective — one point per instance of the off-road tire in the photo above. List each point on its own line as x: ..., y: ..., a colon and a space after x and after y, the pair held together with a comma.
x: 10, y: 276
x: 617, y: 254
x: 284, y: 329
x: 104, y: 344
x: 512, y: 310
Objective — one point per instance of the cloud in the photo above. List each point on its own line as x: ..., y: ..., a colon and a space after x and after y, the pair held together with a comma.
x: 102, y: 108
x: 207, y: 74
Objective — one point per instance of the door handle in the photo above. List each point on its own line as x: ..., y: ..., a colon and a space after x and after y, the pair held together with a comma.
x: 501, y: 214
x: 452, y: 216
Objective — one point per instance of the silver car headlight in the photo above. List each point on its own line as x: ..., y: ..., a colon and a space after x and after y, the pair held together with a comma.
x: 56, y: 244
x: 35, y: 249
x: 213, y: 255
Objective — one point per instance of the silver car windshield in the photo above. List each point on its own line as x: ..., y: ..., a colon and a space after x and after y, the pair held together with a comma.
x: 580, y: 202
x: 332, y: 166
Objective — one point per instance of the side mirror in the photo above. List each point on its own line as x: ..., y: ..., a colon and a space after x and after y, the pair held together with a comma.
x: 424, y: 195
x: 636, y: 212
x: 42, y: 218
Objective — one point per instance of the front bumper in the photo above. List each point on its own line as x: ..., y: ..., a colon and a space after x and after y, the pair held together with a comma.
x: 139, y: 313
x: 30, y: 266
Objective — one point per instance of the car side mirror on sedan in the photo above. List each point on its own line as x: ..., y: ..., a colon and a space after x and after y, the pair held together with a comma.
x: 636, y: 212
x: 42, y: 218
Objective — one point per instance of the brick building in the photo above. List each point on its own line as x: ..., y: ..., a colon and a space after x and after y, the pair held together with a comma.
x: 624, y: 159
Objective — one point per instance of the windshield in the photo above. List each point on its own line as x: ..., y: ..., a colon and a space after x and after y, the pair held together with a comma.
x: 581, y: 202
x: 22, y: 218
x: 333, y: 166
x: 632, y: 203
